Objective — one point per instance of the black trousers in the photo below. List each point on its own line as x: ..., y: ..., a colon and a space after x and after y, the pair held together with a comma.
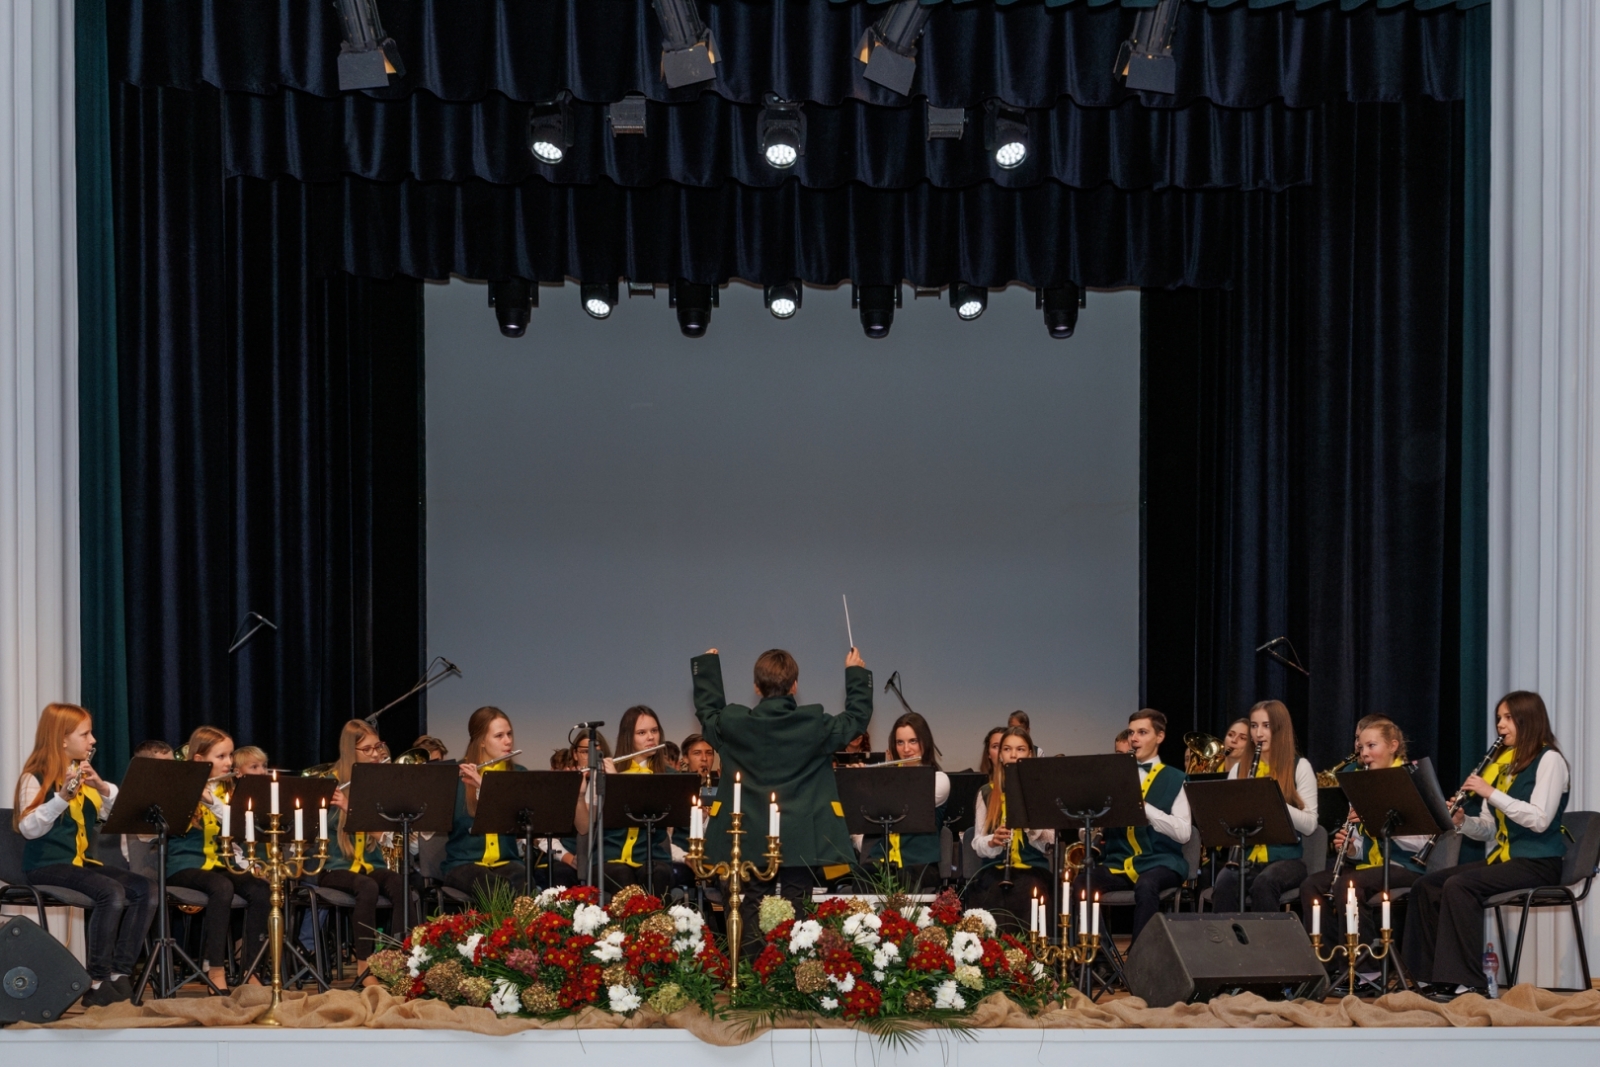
x: 619, y: 875
x: 124, y: 904
x: 219, y: 886
x: 367, y: 888
x: 1443, y: 943
x: 1146, y: 891
x: 469, y: 876
x: 1008, y: 904
x: 1266, y: 885
x: 794, y: 884
x: 1368, y: 883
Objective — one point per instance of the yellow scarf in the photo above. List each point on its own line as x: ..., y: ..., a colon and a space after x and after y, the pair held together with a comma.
x: 1374, y: 848
x: 75, y: 809
x: 633, y: 831
x: 1127, y: 867
x: 1258, y: 854
x: 1496, y: 774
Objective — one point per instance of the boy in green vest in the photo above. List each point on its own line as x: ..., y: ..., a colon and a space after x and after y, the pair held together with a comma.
x: 1147, y: 859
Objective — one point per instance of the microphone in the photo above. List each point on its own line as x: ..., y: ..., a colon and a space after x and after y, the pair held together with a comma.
x: 1291, y: 661
x: 260, y: 621
x: 449, y: 667
x: 589, y: 725
x: 1274, y: 643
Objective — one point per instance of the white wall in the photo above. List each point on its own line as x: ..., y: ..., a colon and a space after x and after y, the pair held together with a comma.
x: 607, y: 499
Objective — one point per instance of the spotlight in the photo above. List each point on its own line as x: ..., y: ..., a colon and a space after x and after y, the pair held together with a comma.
x: 969, y: 300
x: 599, y: 298
x: 1060, y: 304
x: 367, y: 55
x: 513, y: 301
x: 627, y: 115
x: 783, y: 299
x: 889, y: 46
x: 688, y: 51
x: 641, y: 289
x: 694, y: 303
x: 946, y: 123
x: 781, y: 128
x: 550, y: 129
x: 877, y: 304
x: 1006, y: 134
x: 1145, y: 59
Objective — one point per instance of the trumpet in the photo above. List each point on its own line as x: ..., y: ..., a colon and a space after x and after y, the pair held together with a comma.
x: 1460, y: 797
x: 321, y: 770
x: 1204, y: 754
x: 1329, y: 779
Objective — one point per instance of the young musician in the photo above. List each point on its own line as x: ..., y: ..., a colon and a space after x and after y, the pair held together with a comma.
x: 153, y: 749
x: 1018, y: 867
x: 1147, y: 859
x: 434, y: 747
x: 1122, y: 744
x: 783, y: 747
x: 639, y: 731
x: 470, y: 858
x: 915, y: 856
x: 1019, y: 719
x: 194, y: 861
x: 356, y: 864
x: 58, y: 806
x: 249, y: 759
x: 991, y: 749
x: 1236, y: 747
x: 1379, y: 743
x: 1522, y: 795
x: 698, y: 755
x: 1272, y: 870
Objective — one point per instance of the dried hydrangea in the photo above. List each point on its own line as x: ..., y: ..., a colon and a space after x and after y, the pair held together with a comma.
x: 971, y: 924
x: 810, y: 976
x: 1016, y: 958
x: 443, y: 980
x: 774, y: 912
x: 540, y: 999
x: 669, y: 998
x: 917, y: 1000
x: 625, y: 894
x: 476, y: 991
x: 859, y: 907
x: 616, y: 974
x: 935, y: 934
x: 388, y: 965
x: 659, y: 923
x: 523, y: 909
x: 969, y: 976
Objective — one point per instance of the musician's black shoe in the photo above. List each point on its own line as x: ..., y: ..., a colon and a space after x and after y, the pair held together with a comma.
x: 122, y: 986
x: 99, y: 996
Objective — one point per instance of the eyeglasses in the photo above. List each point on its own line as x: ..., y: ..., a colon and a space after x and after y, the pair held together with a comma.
x: 369, y: 749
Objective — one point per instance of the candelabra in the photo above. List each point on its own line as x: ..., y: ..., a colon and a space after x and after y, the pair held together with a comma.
x: 1066, y: 955
x: 735, y: 869
x: 276, y: 867
x: 1353, y: 948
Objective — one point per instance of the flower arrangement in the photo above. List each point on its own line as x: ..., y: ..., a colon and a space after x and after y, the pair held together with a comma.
x: 854, y: 960
x: 559, y: 953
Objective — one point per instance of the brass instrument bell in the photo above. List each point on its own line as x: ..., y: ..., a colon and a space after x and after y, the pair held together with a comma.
x: 322, y: 770
x: 412, y: 757
x: 1329, y: 779
x: 1204, y: 754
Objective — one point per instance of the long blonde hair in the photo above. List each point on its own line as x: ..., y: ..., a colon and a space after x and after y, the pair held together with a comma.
x: 997, y: 778
x: 477, y: 728
x: 1284, y: 755
x: 355, y: 731
x: 48, y: 761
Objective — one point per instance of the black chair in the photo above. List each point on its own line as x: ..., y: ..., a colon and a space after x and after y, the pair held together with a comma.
x: 1314, y: 848
x: 430, y: 864
x: 142, y: 859
x: 334, y: 938
x: 16, y: 889
x: 1579, y: 866
x: 1446, y: 853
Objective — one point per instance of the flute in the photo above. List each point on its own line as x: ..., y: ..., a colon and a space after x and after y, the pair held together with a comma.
x: 632, y: 756
x: 890, y: 763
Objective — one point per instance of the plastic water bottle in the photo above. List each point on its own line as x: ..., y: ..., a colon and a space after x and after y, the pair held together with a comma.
x: 1491, y: 970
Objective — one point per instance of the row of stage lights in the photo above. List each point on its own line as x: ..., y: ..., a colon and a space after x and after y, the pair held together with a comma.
x: 513, y: 302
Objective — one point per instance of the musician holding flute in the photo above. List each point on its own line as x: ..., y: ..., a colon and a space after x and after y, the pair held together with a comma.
x: 914, y: 857
x: 473, y: 859
x: 639, y: 750
x: 1519, y: 794
x: 59, y: 803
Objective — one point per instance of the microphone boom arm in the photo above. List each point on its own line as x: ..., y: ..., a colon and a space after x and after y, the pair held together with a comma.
x: 427, y: 680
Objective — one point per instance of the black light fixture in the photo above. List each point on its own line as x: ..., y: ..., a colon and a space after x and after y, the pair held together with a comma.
x: 599, y: 298
x: 781, y: 130
x: 688, y: 51
x: 876, y: 304
x: 1145, y: 60
x: 1006, y: 134
x: 627, y: 115
x: 367, y: 55
x: 783, y: 299
x: 1060, y: 304
x: 550, y: 129
x: 889, y: 46
x: 970, y: 301
x: 641, y: 289
x: 694, y: 302
x: 513, y: 301
x: 946, y: 123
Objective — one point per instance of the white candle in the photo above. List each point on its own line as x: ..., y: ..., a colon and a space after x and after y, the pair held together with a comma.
x: 249, y: 821
x: 322, y: 821
x: 772, y: 816
x: 738, y: 792
x: 227, y: 811
x: 1083, y: 913
x: 1352, y: 923
x: 1386, y: 911
x: 695, y: 829
x: 274, y: 793
x: 1095, y: 927
x: 299, y: 821
x: 1316, y: 917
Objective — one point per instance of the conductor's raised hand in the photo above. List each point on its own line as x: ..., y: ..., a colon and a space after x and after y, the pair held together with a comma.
x: 711, y: 652
x: 853, y: 658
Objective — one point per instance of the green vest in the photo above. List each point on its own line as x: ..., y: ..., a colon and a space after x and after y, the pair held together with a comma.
x: 1136, y: 849
x: 1264, y: 854
x: 367, y: 848
x: 197, y: 847
x: 626, y: 844
x: 71, y: 838
x: 1520, y: 842
x: 1022, y: 854
x: 464, y: 847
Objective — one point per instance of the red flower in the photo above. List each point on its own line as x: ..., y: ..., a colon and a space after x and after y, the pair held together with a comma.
x: 780, y: 932
x: 946, y: 908
x: 840, y: 963
x: 862, y: 1000
x: 713, y: 962
x: 582, y: 894
x: 833, y: 908
x: 896, y: 927
x: 549, y: 928
x: 930, y: 958
x: 648, y: 948
x: 994, y: 957
x: 770, y: 960
x: 640, y: 904
x: 418, y: 987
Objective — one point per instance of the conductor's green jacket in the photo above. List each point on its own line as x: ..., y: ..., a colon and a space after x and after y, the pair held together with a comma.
x: 784, y: 748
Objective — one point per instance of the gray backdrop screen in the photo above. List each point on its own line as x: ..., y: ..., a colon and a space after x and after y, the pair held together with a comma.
x: 608, y: 498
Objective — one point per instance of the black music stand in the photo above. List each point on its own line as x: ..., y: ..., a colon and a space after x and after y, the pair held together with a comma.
x: 645, y: 800
x: 1397, y: 802
x: 253, y: 793
x: 1231, y: 812
x: 529, y: 805
x: 418, y: 796
x: 884, y: 804
x: 1068, y: 792
x: 157, y: 795
x: 959, y: 813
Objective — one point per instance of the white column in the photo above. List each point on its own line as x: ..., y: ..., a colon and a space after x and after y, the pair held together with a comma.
x: 38, y: 373
x: 1544, y: 437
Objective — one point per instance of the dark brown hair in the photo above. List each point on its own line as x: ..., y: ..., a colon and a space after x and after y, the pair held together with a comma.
x: 657, y: 760
x: 1019, y: 718
x: 152, y: 747
x: 997, y: 777
x: 985, y: 764
x: 477, y: 729
x: 776, y: 672
x: 1534, y: 735
x: 1158, y: 721
x: 924, y: 733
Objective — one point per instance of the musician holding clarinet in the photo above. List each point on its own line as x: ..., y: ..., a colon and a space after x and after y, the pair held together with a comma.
x: 1519, y: 793
x: 1273, y: 870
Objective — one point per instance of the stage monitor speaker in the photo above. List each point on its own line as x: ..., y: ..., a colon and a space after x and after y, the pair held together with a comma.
x: 1185, y: 958
x: 39, y: 978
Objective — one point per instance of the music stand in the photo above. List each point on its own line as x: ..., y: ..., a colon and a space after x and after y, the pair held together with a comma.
x: 645, y: 800
x: 1230, y: 813
x: 253, y: 793
x: 529, y: 804
x: 155, y: 795
x: 959, y: 812
x: 888, y: 803
x: 418, y: 796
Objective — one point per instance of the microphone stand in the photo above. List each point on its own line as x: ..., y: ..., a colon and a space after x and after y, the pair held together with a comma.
x: 1271, y: 649
x: 427, y: 680
x: 597, y: 815
x: 893, y: 686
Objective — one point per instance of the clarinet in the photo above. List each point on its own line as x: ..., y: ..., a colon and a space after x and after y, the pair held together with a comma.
x: 1460, y: 798
x: 1338, y: 859
x: 1236, y: 857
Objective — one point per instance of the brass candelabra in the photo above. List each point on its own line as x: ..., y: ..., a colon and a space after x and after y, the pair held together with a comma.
x: 1065, y: 955
x: 736, y: 870
x: 280, y: 864
x: 1353, y: 948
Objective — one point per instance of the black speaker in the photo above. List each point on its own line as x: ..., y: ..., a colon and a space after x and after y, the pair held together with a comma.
x: 39, y: 978
x: 1184, y: 958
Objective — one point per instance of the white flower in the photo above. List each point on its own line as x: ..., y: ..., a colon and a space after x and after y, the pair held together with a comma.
x: 609, y: 950
x: 885, y: 954
x: 547, y: 897
x: 469, y: 949
x: 419, y: 956
x: 691, y: 945
x: 803, y: 936
x: 505, y: 1000
x: 947, y: 998
x: 966, y: 947
x: 924, y: 918
x: 1038, y: 969
x: 988, y: 920
x: 969, y: 976
x: 863, y: 927
x: 828, y: 1004
x: 588, y: 918
x: 623, y: 999
x: 877, y: 976
x: 687, y: 920
x: 845, y: 984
